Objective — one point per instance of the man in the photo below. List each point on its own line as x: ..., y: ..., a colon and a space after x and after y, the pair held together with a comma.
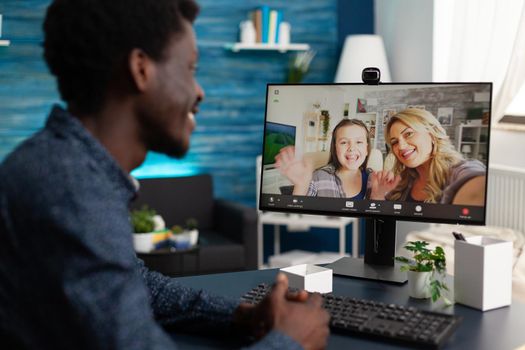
x: 69, y: 278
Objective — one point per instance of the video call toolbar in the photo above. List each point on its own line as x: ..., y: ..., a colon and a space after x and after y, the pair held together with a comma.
x: 373, y: 208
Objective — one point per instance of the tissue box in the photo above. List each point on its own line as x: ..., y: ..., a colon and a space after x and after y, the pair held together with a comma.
x: 311, y: 278
x: 483, y: 272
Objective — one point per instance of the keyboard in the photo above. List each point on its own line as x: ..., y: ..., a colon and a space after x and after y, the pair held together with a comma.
x: 376, y: 320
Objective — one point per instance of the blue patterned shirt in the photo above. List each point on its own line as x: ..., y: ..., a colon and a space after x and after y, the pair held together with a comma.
x: 69, y: 277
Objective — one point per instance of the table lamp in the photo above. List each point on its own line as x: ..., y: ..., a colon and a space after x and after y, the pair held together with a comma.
x: 466, y: 150
x: 361, y: 51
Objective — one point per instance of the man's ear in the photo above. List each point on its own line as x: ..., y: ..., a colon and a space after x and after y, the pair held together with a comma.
x: 142, y: 69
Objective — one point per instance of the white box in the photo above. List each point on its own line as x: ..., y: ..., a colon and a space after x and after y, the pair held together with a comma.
x: 483, y: 272
x: 293, y: 257
x: 311, y: 278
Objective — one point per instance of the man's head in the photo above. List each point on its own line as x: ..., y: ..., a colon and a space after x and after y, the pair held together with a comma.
x: 142, y: 51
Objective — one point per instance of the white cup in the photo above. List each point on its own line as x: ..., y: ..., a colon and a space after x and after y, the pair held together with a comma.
x: 247, y: 32
x: 284, y: 33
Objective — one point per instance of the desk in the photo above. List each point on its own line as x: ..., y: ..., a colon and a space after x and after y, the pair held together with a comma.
x: 278, y: 219
x: 171, y: 262
x: 499, y: 329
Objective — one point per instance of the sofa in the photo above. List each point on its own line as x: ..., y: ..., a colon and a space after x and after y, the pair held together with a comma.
x: 227, y: 230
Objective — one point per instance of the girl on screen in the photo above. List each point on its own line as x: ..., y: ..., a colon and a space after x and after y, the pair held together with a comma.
x: 344, y: 176
x: 428, y: 167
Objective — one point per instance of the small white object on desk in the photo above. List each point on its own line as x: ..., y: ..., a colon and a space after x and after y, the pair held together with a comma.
x: 483, y: 272
x: 311, y: 278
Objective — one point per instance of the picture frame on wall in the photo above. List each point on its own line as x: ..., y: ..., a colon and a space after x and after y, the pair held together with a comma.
x: 445, y: 115
x: 361, y: 105
x: 387, y: 114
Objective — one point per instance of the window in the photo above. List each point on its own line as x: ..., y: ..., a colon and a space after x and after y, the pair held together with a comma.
x: 483, y: 40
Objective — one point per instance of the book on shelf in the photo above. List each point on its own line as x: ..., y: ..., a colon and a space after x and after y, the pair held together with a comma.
x: 257, y: 22
x: 266, y: 22
x: 273, y: 28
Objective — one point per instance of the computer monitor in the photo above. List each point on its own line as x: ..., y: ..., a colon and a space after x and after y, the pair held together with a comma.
x: 387, y: 152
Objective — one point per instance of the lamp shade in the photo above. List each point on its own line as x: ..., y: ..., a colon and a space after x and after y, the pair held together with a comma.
x: 361, y: 51
x: 466, y: 149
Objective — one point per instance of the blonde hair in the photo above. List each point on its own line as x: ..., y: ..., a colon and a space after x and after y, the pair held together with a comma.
x: 442, y: 158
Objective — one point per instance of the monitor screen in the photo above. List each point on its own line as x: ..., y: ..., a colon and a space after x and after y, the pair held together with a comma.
x: 414, y: 152
x: 277, y: 136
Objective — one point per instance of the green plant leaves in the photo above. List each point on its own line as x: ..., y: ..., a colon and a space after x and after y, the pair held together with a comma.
x: 426, y: 260
x: 142, y: 219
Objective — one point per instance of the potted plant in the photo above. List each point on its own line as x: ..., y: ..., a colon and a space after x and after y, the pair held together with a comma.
x: 180, y: 237
x: 426, y: 270
x: 193, y: 231
x: 187, y: 236
x: 149, y: 229
x: 299, y: 66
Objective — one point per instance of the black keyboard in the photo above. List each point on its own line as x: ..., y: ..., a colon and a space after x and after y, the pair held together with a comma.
x: 405, y: 325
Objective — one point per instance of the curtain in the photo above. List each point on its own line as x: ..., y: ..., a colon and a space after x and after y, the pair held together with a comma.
x: 474, y: 41
x: 513, y: 86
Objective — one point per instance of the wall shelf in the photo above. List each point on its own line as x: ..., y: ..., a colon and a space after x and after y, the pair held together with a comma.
x: 236, y: 47
x: 5, y: 42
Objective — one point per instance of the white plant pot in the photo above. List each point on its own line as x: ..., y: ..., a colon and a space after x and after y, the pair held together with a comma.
x: 419, y: 284
x: 186, y: 239
x: 194, y: 237
x: 143, y: 242
x: 181, y: 240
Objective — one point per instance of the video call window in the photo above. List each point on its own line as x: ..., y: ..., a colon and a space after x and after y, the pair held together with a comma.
x: 412, y: 144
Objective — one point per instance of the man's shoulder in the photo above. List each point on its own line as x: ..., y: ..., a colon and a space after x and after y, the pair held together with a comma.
x: 42, y: 163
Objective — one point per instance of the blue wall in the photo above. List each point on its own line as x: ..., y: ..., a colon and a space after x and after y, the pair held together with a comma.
x: 26, y: 89
x: 229, y: 131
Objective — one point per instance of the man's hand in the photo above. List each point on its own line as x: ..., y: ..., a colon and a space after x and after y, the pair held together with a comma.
x: 298, y: 315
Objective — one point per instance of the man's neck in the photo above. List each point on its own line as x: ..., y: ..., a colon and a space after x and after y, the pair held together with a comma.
x: 117, y: 130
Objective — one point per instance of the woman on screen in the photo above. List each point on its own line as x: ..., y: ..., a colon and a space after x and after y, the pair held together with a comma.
x: 428, y: 166
x: 344, y: 176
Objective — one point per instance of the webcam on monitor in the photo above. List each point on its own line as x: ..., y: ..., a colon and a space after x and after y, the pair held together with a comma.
x: 371, y: 75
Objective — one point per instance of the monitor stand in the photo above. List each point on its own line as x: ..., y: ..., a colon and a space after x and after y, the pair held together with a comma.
x: 378, y: 263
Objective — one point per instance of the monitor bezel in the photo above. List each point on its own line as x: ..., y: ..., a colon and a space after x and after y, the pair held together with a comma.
x: 376, y: 215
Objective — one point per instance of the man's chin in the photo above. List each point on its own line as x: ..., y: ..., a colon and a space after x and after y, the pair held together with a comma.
x: 171, y: 150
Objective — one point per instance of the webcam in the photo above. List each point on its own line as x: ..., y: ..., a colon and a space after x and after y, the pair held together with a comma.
x: 371, y: 75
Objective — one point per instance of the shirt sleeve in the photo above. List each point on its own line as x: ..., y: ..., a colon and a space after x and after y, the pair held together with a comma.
x: 174, y: 304
x: 459, y: 175
x: 312, y: 187
x: 103, y: 297
x: 276, y: 340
